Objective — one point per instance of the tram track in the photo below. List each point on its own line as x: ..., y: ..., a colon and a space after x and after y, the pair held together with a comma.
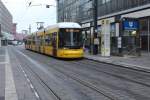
x: 41, y: 81
x: 119, y: 66
x: 56, y: 66
x: 44, y: 84
x: 95, y: 67
x: 80, y: 81
x: 85, y: 83
x: 90, y: 83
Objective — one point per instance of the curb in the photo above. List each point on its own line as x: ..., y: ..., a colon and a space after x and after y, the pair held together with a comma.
x: 133, y: 67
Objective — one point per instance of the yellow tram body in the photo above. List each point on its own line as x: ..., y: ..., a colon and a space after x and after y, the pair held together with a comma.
x: 63, y: 40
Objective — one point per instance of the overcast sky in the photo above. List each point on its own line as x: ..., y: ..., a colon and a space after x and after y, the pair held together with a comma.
x: 24, y: 15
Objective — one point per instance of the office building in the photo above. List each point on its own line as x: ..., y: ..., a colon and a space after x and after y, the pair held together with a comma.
x: 113, y: 33
x: 5, y: 22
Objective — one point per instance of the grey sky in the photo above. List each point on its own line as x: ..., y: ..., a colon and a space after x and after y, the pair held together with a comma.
x: 24, y: 15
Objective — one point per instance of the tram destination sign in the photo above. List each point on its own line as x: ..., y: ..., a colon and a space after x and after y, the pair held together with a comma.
x: 130, y: 25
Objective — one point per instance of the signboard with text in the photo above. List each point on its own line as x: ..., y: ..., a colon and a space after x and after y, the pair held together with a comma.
x: 130, y: 25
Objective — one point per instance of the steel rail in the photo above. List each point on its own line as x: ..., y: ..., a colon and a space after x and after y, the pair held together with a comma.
x: 42, y: 82
x: 111, y: 74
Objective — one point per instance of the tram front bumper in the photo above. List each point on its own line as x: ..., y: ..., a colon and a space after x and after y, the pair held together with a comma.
x: 71, y: 53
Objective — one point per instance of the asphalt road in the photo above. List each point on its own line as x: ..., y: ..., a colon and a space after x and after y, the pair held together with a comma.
x: 48, y: 78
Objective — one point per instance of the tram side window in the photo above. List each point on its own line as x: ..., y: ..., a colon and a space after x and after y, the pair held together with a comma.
x: 38, y: 40
x: 61, y: 40
x: 41, y: 40
x: 48, y: 40
x: 28, y: 42
x: 33, y: 41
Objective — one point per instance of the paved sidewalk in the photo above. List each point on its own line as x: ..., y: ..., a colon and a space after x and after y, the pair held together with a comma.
x: 2, y: 74
x: 140, y: 63
x: 7, y: 85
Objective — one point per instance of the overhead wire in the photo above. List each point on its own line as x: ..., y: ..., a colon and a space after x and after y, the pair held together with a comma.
x: 27, y: 5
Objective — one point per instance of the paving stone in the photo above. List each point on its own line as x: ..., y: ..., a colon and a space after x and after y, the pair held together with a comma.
x: 2, y: 80
x: 141, y: 62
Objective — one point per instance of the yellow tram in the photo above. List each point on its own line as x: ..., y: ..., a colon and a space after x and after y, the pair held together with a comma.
x: 63, y: 40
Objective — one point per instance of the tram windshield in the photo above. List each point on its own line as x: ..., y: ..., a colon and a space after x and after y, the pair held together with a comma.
x: 70, y: 38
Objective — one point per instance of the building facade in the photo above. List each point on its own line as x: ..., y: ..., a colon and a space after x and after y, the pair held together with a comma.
x: 5, y: 25
x: 14, y: 29
x: 5, y: 19
x: 113, y: 18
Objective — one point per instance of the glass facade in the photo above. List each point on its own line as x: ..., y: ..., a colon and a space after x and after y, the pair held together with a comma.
x: 68, y: 10
x: 111, y: 6
x: 82, y: 10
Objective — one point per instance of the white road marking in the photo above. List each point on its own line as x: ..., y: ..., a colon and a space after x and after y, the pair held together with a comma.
x: 31, y: 86
x: 29, y: 82
x: 10, y: 89
x: 25, y: 75
x: 36, y: 94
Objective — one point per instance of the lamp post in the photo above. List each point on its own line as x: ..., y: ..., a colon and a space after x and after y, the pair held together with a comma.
x: 95, y: 39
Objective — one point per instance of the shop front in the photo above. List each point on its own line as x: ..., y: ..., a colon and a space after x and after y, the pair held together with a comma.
x: 124, y: 37
x: 130, y: 36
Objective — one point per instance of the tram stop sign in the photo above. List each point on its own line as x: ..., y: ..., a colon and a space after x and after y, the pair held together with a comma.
x: 130, y: 25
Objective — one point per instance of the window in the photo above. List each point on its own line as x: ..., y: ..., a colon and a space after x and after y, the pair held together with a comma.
x: 113, y: 29
x: 70, y: 38
x: 48, y: 40
x: 105, y: 1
